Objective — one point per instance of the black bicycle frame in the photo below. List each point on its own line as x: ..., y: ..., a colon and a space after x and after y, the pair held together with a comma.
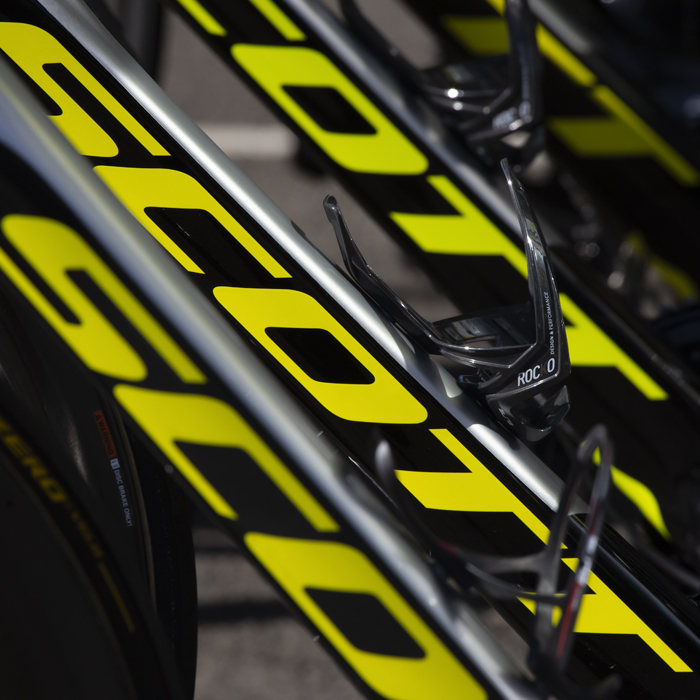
x: 78, y: 266
x: 472, y: 481
x: 423, y: 187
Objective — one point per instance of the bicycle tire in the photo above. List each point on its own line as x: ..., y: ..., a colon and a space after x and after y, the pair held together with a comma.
x: 75, y: 627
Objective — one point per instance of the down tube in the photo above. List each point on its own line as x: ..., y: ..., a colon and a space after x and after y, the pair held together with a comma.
x: 238, y: 248
x: 436, y: 201
x: 246, y: 454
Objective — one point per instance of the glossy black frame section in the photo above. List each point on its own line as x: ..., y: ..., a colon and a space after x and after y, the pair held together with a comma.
x: 523, y: 490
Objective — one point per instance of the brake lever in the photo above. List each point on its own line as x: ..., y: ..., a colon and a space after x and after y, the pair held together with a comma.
x: 474, y: 99
x: 517, y: 356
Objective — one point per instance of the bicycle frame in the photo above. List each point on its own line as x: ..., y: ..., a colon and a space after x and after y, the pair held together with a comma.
x: 431, y: 196
x: 620, y: 141
x: 185, y: 378
x: 511, y: 489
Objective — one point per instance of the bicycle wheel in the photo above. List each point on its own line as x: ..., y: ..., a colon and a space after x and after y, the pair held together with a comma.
x: 72, y: 624
x: 146, y: 515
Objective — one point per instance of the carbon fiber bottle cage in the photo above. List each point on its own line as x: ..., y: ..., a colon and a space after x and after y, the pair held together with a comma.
x: 484, y: 99
x: 517, y: 355
x: 552, y: 637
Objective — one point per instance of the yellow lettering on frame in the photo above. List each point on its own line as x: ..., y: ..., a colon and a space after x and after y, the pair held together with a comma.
x: 602, y: 612
x: 385, y: 400
x: 167, y: 417
x: 279, y: 20
x: 140, y: 188
x: 31, y: 48
x: 478, y: 491
x: 469, y: 232
x: 386, y: 151
x: 620, y: 133
x: 203, y: 17
x: 298, y: 565
x: 54, y: 249
x: 590, y: 347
